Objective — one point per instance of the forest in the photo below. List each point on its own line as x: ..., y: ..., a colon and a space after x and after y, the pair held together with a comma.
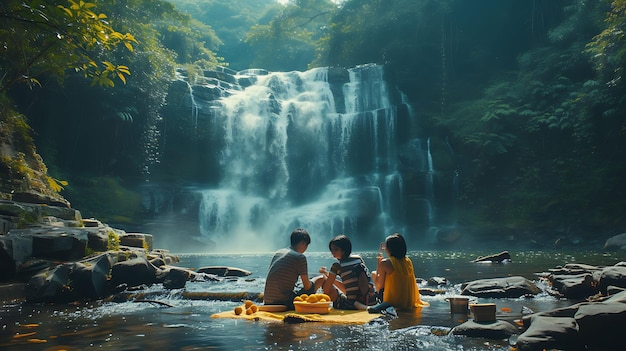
x: 525, y: 100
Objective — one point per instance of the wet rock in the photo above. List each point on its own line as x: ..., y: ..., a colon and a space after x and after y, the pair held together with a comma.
x: 616, y: 242
x: 223, y: 271
x: 495, y: 258
x: 437, y: 281
x: 578, y: 286
x: 612, y: 276
x: 491, y: 330
x: 7, y: 264
x: 165, y: 255
x: 515, y: 286
x: 602, y: 324
x: 174, y: 277
x: 582, y: 326
x: 89, y: 278
x: 50, y: 285
x: 158, y: 262
x: 33, y: 266
x: 547, y: 333
x: 134, y: 272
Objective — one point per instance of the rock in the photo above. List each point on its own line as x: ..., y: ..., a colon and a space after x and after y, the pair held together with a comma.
x: 222, y: 271
x: 137, y: 240
x: 7, y: 264
x: 495, y: 258
x: 50, y: 285
x: 89, y: 277
x: 60, y: 246
x: 165, y: 256
x: 22, y: 247
x: 491, y: 330
x: 33, y: 266
x: 61, y: 212
x: 515, y: 286
x: 612, y: 276
x: 98, y: 240
x: 601, y: 324
x: 578, y: 286
x: 616, y: 242
x: 13, y: 209
x: 174, y: 277
x: 134, y: 272
x: 32, y: 197
x: 547, y: 333
x: 436, y: 281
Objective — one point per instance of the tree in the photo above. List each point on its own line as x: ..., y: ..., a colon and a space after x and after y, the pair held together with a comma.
x: 50, y: 37
x: 290, y: 38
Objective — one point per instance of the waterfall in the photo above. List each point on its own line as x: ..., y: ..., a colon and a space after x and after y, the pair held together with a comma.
x: 315, y: 149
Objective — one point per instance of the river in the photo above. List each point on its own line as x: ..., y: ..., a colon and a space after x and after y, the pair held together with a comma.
x: 189, y: 326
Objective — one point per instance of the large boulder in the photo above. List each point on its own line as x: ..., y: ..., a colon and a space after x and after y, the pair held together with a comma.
x: 134, y: 272
x: 616, y: 242
x: 173, y: 277
x: 546, y: 333
x: 578, y: 286
x: 7, y: 264
x: 515, y: 286
x: 50, y: 285
x: 601, y: 325
x: 491, y: 330
x: 89, y: 277
x: 59, y: 246
x: 612, y: 276
x: 223, y: 271
x: 137, y: 240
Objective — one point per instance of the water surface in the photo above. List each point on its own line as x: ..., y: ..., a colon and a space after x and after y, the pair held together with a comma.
x: 188, y: 325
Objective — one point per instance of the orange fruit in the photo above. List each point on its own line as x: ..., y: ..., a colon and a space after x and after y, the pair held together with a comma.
x: 248, y: 303
x: 238, y: 310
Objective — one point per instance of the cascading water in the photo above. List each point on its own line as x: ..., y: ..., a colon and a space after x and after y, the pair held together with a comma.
x: 318, y: 149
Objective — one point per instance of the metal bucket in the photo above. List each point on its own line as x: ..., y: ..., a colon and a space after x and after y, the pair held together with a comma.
x: 458, y: 304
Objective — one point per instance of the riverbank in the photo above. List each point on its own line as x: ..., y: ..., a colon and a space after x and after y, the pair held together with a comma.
x: 187, y: 325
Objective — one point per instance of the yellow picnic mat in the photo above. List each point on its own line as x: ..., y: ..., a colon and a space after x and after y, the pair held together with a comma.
x: 335, y: 316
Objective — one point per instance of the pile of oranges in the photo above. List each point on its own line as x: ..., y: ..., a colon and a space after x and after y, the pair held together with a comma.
x: 248, y: 306
x: 313, y: 298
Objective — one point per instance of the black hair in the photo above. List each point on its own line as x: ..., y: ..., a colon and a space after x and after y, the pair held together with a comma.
x: 298, y: 235
x: 396, y: 245
x: 342, y: 242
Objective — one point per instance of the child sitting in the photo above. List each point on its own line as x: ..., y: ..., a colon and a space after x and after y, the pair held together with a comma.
x: 355, y: 289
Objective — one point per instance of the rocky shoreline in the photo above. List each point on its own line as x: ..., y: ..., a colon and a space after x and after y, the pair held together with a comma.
x: 59, y: 257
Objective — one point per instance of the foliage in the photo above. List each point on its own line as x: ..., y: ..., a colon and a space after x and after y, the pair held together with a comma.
x: 230, y: 20
x: 113, y: 241
x: 21, y: 167
x: 557, y: 124
x: 288, y: 41
x: 110, y: 199
x: 50, y: 37
x: 608, y: 48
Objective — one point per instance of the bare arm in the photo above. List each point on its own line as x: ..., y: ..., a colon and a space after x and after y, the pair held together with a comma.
x: 383, y: 268
x: 306, y: 282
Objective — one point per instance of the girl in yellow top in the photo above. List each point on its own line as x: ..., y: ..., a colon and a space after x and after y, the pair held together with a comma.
x: 396, y: 278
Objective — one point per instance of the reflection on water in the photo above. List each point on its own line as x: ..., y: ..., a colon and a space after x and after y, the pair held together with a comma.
x: 188, y: 325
